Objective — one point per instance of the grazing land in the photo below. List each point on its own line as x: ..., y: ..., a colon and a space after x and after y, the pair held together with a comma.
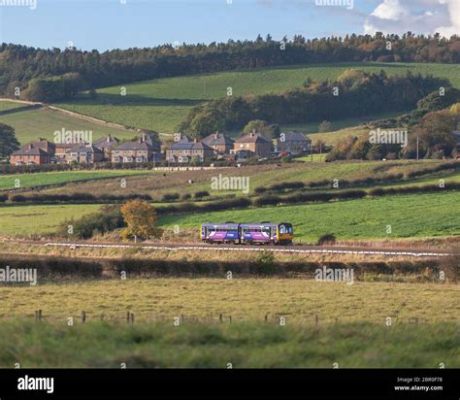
x: 244, y: 345
x: 157, y: 184
x: 161, y: 104
x: 60, y: 178
x: 248, y: 299
x: 416, y: 216
x: 31, y: 220
x: 32, y: 124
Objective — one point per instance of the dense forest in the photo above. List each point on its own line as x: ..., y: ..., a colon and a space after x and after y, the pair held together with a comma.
x: 355, y: 93
x: 53, y: 74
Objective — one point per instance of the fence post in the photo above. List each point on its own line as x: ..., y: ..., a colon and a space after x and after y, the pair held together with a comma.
x: 316, y: 320
x: 83, y: 317
x: 221, y: 317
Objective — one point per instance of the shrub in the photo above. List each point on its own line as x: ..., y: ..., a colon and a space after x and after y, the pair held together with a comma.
x: 328, y: 238
x: 200, y: 195
x: 266, y: 263
x: 170, y: 197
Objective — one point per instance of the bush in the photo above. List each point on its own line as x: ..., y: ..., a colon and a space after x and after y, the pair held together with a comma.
x: 108, y: 219
x: 328, y: 238
x: 266, y: 263
x: 200, y: 195
x: 186, y: 196
x: 170, y: 197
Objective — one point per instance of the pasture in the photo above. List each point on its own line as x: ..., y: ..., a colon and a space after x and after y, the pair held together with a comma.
x: 60, y: 178
x: 415, y: 216
x: 245, y: 299
x: 31, y: 220
x: 161, y: 104
x: 244, y: 345
x: 43, y: 122
x: 157, y: 184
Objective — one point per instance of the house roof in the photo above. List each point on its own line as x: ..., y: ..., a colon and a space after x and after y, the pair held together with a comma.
x: 30, y: 150
x: 186, y: 145
x: 106, y: 142
x: 252, y: 138
x: 134, y: 145
x: 294, y: 136
x: 85, y: 148
x: 217, y: 139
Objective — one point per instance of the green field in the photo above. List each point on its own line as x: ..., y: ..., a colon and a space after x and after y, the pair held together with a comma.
x: 43, y: 122
x: 161, y: 104
x: 157, y: 184
x: 31, y: 220
x: 57, y: 178
x: 243, y: 345
x: 324, y: 323
x: 420, y: 215
x: 10, y: 105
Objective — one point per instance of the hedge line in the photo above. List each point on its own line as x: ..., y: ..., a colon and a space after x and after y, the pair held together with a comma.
x: 72, y: 198
x: 59, y: 268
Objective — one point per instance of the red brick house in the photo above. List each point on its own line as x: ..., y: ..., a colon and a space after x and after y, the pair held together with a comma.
x: 253, y: 144
x: 30, y: 154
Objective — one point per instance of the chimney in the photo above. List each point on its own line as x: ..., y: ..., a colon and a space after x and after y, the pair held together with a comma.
x: 195, y: 140
x: 216, y: 135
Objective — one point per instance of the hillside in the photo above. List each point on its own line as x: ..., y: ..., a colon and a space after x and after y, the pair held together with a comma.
x: 31, y: 124
x: 161, y: 104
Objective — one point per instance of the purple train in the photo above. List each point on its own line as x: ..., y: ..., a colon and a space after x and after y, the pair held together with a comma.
x: 255, y: 233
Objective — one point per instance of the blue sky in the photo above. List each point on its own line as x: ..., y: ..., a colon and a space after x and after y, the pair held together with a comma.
x: 107, y: 24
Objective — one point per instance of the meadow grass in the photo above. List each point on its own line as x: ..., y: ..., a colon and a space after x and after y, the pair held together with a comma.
x: 244, y: 345
x: 10, y: 105
x: 161, y: 104
x: 43, y: 122
x: 158, y: 184
x: 31, y: 220
x: 420, y: 215
x: 244, y: 299
x: 62, y: 177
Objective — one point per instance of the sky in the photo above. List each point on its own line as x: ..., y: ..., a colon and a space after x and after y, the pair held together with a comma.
x: 110, y: 24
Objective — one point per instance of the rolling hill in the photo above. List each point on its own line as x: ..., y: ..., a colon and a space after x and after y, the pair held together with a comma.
x: 161, y: 104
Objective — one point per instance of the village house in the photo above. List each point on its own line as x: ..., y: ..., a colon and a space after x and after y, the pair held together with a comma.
x: 62, y: 152
x: 252, y: 145
x: 185, y: 151
x: 293, y: 142
x: 145, y: 149
x: 30, y: 154
x: 107, y: 144
x: 220, y: 143
x: 84, y: 154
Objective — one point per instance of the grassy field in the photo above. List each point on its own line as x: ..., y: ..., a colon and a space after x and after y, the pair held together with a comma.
x: 260, y: 175
x: 43, y: 122
x: 10, y: 105
x: 248, y: 299
x: 56, y: 178
x: 244, y: 345
x: 30, y: 220
x: 421, y: 215
x: 161, y: 104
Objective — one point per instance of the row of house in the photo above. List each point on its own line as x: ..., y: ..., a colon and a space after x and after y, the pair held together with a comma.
x: 147, y: 148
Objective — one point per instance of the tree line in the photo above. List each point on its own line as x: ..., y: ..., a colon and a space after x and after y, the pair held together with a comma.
x: 22, y: 66
x: 354, y: 94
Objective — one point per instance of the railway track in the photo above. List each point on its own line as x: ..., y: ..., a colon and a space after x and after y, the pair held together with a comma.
x: 416, y: 253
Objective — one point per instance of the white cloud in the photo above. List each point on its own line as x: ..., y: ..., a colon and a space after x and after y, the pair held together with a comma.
x: 418, y: 16
x: 390, y: 9
x: 454, y: 13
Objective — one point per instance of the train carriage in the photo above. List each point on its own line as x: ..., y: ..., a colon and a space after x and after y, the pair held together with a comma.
x: 253, y: 233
